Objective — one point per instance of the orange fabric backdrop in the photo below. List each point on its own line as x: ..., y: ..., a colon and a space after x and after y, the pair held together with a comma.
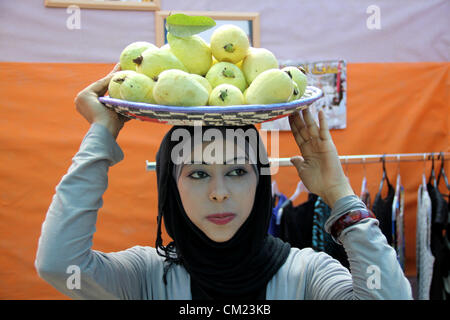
x: 392, y: 108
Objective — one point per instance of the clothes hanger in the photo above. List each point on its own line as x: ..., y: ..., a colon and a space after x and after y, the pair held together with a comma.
x: 437, y: 218
x: 442, y: 171
x: 365, y: 194
x: 397, y: 198
x: 396, y: 203
x: 300, y: 188
x: 399, y: 180
x: 275, y: 191
x: 384, y: 177
x: 364, y: 182
x: 424, y: 179
x: 432, y: 178
x: 276, y: 194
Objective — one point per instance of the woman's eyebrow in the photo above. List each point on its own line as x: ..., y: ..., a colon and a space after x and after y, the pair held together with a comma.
x: 236, y: 158
x: 226, y: 162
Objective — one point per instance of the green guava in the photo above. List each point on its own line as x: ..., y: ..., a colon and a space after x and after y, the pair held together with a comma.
x: 245, y: 96
x: 270, y: 86
x: 226, y: 95
x: 131, y: 52
x: 299, y: 77
x: 154, y: 61
x: 226, y: 72
x: 203, y: 81
x: 116, y: 81
x: 178, y: 88
x: 137, y: 87
x: 257, y: 61
x: 192, y: 51
x: 229, y: 43
x: 295, y: 94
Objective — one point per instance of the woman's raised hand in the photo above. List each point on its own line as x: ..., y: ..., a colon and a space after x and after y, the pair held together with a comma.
x: 319, y: 166
x: 94, y: 111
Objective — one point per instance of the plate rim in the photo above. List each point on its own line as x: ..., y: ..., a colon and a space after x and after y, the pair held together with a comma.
x: 318, y: 93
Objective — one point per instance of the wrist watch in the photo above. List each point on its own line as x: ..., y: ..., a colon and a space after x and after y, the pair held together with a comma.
x: 348, y: 219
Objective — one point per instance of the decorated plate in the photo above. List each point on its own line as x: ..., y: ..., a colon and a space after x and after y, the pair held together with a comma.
x: 237, y: 115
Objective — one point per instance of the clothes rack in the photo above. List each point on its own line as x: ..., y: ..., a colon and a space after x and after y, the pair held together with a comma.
x: 357, y: 159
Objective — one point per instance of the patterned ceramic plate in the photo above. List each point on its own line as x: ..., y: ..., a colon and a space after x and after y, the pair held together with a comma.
x: 238, y: 115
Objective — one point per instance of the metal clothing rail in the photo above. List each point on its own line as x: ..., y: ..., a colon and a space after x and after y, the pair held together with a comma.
x: 357, y: 159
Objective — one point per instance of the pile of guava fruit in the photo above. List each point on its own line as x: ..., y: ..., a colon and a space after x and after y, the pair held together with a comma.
x: 187, y: 71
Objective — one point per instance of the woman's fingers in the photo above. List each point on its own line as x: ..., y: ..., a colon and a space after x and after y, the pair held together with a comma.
x: 101, y: 86
x: 306, y: 132
x: 296, y: 124
x: 324, y: 130
x: 297, y: 161
x: 311, y: 126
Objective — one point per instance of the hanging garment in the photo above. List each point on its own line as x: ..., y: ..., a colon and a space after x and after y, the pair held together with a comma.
x: 439, y: 244
x: 401, y: 229
x: 296, y: 228
x: 321, y: 213
x: 274, y: 229
x: 365, y: 195
x: 424, y: 258
x: 296, y: 223
x: 446, y: 279
x: 382, y: 208
x: 395, y: 209
x: 398, y: 222
x: 321, y: 240
x: 442, y: 174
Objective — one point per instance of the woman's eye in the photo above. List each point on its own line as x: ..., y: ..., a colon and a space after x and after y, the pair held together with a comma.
x: 233, y: 173
x: 237, y: 172
x: 198, y: 175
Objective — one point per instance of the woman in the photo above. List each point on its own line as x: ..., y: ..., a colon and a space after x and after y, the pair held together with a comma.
x: 216, y: 207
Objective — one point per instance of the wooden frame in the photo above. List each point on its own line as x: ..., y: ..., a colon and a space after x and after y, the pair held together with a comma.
x: 253, y: 17
x: 151, y: 5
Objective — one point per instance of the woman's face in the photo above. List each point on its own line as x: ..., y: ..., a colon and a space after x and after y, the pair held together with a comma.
x: 218, y: 197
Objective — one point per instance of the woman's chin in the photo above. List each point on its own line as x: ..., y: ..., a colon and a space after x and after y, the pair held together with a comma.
x: 220, y: 236
x: 219, y: 239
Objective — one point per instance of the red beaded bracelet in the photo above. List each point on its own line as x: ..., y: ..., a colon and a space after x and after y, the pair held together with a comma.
x: 349, y: 219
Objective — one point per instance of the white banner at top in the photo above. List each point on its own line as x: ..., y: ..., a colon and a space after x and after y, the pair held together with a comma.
x: 309, y: 30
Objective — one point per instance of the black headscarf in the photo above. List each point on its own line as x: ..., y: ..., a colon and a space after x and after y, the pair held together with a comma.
x: 239, y: 268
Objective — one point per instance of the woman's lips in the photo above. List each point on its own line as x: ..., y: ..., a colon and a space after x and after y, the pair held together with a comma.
x: 221, y: 218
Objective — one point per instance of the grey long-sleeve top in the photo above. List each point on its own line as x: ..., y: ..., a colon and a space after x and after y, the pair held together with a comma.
x: 66, y: 260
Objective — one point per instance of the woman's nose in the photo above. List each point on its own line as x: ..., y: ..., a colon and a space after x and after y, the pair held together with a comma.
x: 219, y: 191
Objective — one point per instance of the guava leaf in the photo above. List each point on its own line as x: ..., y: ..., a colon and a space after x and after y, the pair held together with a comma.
x: 181, y: 25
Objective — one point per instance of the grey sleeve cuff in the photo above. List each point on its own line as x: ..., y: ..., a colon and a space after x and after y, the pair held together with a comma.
x: 342, y: 206
x: 100, y: 141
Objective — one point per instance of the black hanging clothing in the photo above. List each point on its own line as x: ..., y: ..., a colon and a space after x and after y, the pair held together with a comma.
x: 296, y: 228
x: 439, y: 243
x: 239, y: 268
x: 382, y: 208
x: 439, y: 213
x: 296, y: 223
